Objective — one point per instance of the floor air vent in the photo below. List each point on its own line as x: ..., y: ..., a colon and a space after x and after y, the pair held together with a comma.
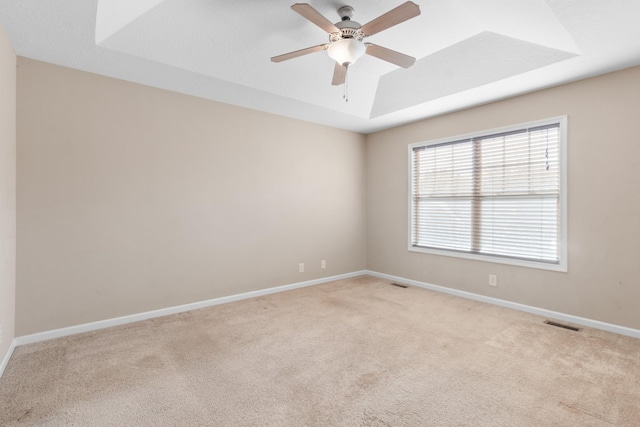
x: 399, y: 285
x: 561, y: 325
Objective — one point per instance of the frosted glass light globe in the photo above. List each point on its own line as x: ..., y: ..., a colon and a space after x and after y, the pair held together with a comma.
x: 346, y: 51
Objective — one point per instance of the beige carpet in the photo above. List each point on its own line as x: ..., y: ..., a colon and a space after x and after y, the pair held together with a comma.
x: 357, y: 352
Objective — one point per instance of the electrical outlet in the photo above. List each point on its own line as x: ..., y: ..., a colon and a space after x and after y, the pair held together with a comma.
x: 493, y: 280
x: 301, y: 267
x: 323, y: 264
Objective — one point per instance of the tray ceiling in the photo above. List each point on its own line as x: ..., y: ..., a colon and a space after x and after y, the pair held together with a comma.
x: 468, y: 52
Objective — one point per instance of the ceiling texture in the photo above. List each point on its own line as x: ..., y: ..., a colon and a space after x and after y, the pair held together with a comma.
x: 468, y: 52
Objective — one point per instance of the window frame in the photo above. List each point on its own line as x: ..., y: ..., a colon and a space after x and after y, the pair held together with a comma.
x: 562, y: 265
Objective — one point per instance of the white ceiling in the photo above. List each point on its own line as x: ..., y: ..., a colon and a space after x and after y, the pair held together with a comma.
x: 468, y: 52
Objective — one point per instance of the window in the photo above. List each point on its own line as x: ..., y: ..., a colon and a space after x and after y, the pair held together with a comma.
x: 496, y: 196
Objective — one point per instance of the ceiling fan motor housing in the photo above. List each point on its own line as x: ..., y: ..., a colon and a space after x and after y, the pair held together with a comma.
x: 348, y: 30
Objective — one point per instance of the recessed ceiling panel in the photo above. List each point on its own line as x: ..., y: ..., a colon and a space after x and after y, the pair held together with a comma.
x: 215, y: 39
x: 113, y: 15
x: 477, y: 61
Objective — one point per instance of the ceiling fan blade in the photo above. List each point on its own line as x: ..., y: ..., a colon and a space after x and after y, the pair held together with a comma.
x: 389, y: 55
x: 339, y: 74
x: 314, y: 16
x: 300, y: 52
x: 395, y: 16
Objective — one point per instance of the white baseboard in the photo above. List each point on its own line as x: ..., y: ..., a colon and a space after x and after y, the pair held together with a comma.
x: 7, y: 356
x: 93, y: 326
x: 622, y: 330
x: 102, y: 324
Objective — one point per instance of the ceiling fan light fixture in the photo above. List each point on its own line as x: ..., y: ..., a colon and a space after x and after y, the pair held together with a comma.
x: 346, y: 51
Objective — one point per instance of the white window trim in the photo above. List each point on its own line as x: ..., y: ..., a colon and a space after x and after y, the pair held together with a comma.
x: 562, y: 265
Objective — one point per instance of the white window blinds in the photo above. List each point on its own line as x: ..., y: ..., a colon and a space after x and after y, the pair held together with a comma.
x: 497, y: 195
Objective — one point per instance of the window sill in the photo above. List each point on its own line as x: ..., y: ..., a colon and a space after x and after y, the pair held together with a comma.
x: 561, y: 267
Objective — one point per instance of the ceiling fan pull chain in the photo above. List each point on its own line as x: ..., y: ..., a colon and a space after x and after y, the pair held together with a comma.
x: 346, y: 85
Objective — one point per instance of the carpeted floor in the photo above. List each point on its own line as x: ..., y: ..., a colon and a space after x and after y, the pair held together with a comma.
x: 356, y: 352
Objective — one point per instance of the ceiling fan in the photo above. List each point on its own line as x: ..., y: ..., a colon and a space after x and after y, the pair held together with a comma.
x: 345, y: 37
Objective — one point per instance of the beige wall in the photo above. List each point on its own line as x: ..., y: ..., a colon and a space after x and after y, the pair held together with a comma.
x: 132, y: 198
x: 603, y: 281
x: 7, y: 193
